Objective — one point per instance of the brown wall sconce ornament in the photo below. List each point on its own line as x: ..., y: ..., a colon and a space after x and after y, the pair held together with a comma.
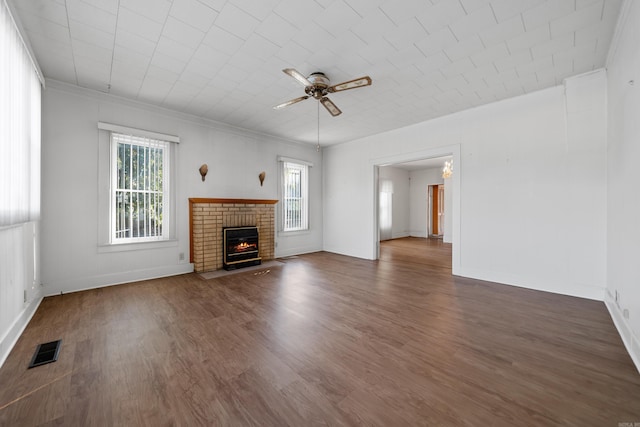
x: 261, y: 177
x: 203, y: 170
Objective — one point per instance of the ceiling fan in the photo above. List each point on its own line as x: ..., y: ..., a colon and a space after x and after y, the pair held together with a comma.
x: 317, y: 86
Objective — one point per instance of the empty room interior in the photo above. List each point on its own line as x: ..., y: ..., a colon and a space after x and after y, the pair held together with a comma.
x: 319, y: 212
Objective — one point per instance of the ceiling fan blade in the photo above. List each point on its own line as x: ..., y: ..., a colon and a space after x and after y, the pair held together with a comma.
x: 298, y: 76
x: 330, y: 106
x: 293, y: 101
x: 351, y: 84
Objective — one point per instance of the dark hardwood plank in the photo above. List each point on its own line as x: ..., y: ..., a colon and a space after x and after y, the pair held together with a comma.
x: 323, y: 340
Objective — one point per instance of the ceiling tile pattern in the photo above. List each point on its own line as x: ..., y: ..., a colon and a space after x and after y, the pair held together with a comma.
x: 223, y: 59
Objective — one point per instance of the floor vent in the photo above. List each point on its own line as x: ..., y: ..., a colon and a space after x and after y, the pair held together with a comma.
x: 45, y: 353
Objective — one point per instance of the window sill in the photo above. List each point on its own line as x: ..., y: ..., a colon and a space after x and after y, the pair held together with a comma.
x: 293, y: 233
x: 123, y: 247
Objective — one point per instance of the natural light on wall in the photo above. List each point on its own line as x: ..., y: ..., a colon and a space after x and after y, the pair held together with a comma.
x: 19, y: 127
x: 386, y: 209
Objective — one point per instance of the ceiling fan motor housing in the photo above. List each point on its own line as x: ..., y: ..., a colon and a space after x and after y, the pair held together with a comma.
x: 319, y: 84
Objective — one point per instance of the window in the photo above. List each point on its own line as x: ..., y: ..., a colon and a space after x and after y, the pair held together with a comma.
x: 139, y: 188
x: 385, y: 212
x: 295, y: 196
x: 19, y: 127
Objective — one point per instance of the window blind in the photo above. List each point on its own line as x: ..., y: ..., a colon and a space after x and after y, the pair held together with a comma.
x: 19, y: 127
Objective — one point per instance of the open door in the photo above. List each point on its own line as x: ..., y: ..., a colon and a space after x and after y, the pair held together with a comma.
x: 436, y: 210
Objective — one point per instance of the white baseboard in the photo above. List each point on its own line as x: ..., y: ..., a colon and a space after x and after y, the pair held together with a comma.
x: 629, y: 339
x: 296, y: 251
x: 581, y: 291
x: 11, y: 337
x: 74, y: 284
x: 400, y: 235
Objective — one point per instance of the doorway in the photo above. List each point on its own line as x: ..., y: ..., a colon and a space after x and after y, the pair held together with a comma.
x: 435, y: 211
x: 452, y: 198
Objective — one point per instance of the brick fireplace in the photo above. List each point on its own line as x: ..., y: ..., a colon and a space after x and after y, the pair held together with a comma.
x: 207, y: 217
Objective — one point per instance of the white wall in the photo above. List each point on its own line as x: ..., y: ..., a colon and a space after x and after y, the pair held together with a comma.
x: 20, y: 291
x: 400, y: 210
x: 525, y: 178
x: 447, y: 237
x: 623, y: 226
x: 72, y: 259
x: 419, y: 195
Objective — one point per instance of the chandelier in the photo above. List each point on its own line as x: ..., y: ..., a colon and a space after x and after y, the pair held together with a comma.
x: 447, y: 170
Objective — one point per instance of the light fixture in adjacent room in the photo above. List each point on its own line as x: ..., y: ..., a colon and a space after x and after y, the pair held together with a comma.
x: 447, y: 170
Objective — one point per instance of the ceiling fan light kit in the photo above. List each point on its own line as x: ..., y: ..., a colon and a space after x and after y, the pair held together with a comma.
x: 317, y: 85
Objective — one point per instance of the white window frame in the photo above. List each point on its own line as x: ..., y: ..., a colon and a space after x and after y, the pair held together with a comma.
x: 108, y: 241
x: 303, y: 220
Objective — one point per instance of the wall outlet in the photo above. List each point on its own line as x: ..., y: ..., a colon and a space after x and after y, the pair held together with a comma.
x: 625, y: 313
x: 25, y: 295
x: 181, y: 256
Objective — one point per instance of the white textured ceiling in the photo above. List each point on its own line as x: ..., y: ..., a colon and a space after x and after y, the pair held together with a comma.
x: 223, y: 60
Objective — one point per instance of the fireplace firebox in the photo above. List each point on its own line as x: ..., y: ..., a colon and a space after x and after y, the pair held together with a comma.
x: 240, y: 247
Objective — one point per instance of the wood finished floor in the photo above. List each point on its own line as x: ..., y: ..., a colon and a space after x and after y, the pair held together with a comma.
x: 323, y: 340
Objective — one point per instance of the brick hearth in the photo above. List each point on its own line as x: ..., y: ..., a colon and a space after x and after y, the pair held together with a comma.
x: 208, y: 216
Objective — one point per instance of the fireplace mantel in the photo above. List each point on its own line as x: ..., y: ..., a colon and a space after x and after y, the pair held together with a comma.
x: 239, y: 201
x: 207, y: 217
